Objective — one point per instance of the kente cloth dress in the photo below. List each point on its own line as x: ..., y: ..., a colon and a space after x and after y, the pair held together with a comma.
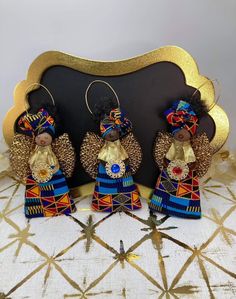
x: 50, y: 198
x: 178, y: 198
x: 114, y: 194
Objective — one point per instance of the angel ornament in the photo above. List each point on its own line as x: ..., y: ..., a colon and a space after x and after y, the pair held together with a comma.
x: 113, y: 158
x: 182, y: 156
x: 43, y: 162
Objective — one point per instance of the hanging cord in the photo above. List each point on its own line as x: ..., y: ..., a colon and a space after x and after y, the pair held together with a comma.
x: 99, y: 81
x: 207, y: 82
x: 27, y: 93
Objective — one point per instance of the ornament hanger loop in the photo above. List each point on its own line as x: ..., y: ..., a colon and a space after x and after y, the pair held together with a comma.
x: 99, y: 81
x: 27, y: 92
x: 207, y: 82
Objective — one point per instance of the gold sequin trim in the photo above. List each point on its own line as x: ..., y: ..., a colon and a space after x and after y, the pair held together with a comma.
x: 65, y: 153
x: 203, y: 152
x: 20, y: 150
x: 162, y: 144
x: 89, y: 151
x: 134, y: 151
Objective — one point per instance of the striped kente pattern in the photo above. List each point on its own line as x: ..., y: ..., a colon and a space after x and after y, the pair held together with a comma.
x: 177, y: 198
x: 115, y: 194
x: 48, y: 199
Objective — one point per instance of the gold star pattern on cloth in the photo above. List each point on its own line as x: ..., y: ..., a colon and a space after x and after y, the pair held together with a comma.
x: 118, y: 255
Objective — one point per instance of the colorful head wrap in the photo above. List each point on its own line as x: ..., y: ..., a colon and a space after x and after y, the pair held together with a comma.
x: 115, y: 121
x: 35, y: 124
x: 181, y: 115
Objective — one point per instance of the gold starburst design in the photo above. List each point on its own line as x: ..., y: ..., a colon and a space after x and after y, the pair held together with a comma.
x: 42, y: 172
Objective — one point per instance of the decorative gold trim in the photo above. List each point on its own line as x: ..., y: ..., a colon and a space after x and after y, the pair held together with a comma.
x: 172, y: 54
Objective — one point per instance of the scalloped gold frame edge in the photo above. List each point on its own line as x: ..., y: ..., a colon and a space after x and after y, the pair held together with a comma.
x: 172, y: 54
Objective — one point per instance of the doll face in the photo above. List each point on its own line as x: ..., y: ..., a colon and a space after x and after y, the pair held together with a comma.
x: 113, y: 135
x: 182, y: 135
x: 43, y: 139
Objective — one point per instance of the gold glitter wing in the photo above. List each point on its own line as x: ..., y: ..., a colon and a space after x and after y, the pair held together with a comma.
x: 63, y: 149
x: 203, y: 152
x: 161, y: 146
x: 89, y: 151
x: 134, y: 151
x: 20, y: 150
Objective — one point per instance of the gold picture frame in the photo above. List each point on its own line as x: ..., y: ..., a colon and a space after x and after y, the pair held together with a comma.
x: 172, y: 54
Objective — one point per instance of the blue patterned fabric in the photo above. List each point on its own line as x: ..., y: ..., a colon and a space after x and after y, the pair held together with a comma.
x: 181, y: 115
x: 177, y: 198
x: 107, y: 185
x: 38, y: 123
x: 115, y: 194
x: 115, y: 121
x: 48, y: 199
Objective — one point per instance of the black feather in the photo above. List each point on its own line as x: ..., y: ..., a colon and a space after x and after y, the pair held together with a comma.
x: 103, y: 108
x: 199, y: 106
